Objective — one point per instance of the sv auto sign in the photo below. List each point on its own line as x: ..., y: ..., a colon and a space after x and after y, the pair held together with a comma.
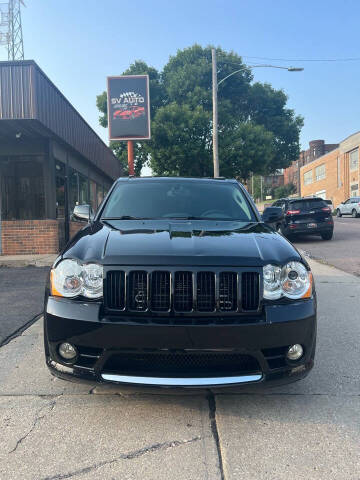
x: 129, y: 107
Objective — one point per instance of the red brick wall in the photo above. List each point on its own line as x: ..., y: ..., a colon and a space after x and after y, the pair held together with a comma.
x: 75, y: 227
x: 29, y: 237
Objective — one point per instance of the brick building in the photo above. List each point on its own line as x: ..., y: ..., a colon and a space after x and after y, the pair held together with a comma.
x: 335, y: 175
x: 275, y: 180
x: 50, y: 160
x: 317, y: 148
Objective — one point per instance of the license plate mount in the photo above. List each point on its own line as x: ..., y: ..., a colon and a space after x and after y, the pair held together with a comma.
x: 312, y: 225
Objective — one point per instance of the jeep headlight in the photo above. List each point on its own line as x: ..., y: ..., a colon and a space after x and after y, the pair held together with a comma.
x: 293, y: 281
x: 71, y: 279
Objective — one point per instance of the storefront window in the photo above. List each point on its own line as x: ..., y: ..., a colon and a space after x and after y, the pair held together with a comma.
x: 83, y: 190
x: 99, y: 194
x: 60, y: 189
x: 22, y: 188
x: 78, y: 189
x: 73, y: 189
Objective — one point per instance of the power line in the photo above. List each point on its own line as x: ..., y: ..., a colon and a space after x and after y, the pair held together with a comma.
x: 350, y: 59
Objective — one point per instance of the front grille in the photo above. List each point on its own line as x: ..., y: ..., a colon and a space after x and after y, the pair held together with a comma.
x: 275, y: 357
x: 228, y: 291
x: 250, y: 290
x: 181, y: 364
x: 115, y: 290
x: 185, y: 292
x: 160, y: 291
x: 138, y: 291
x: 206, y: 291
x: 87, y: 357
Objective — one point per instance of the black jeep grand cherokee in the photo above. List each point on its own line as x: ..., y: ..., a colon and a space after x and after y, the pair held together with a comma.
x: 178, y: 282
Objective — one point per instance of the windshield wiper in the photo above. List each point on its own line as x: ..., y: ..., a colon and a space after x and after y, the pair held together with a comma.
x: 216, y: 219
x: 183, y: 218
x: 125, y: 217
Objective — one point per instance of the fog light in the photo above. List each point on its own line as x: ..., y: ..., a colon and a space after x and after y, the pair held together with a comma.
x: 67, y: 351
x: 295, y: 352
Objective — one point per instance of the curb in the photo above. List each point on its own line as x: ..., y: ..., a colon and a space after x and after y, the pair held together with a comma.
x: 27, y: 262
x: 21, y: 330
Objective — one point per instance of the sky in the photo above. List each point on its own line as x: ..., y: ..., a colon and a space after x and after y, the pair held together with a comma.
x: 78, y: 43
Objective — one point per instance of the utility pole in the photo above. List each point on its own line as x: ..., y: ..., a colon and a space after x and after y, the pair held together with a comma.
x: 215, y: 85
x: 215, y: 114
x: 261, y: 188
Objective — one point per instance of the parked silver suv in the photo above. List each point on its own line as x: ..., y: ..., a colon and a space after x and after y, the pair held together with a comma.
x: 350, y: 207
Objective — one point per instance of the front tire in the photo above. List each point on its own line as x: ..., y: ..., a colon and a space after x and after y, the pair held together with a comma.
x: 338, y: 213
x: 327, y: 235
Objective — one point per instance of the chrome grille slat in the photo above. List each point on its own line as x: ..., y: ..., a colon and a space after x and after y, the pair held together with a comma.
x: 182, y: 291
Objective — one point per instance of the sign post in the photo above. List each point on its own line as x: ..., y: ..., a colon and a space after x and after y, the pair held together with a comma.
x: 129, y: 111
x: 130, y: 149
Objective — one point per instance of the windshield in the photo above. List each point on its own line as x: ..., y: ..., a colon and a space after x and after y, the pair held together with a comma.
x: 178, y: 200
x: 308, y: 204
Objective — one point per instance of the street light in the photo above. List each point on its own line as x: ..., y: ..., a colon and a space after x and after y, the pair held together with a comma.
x: 215, y: 86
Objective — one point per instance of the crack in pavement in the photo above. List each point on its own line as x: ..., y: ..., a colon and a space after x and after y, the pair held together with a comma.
x: 124, y: 456
x: 38, y: 417
x: 213, y: 425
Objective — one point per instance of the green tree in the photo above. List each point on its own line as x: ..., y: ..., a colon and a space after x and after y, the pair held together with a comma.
x: 181, y: 143
x: 284, y: 190
x: 247, y: 148
x: 268, y: 108
x: 257, y: 133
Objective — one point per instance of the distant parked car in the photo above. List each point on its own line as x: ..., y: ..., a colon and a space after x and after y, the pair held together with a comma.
x: 130, y: 112
x: 350, y: 207
x: 305, y: 216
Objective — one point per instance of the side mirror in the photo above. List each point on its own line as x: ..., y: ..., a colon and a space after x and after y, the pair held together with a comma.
x: 272, y: 215
x: 82, y: 213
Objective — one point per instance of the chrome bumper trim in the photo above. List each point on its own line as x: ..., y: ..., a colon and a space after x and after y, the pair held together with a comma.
x: 181, y: 382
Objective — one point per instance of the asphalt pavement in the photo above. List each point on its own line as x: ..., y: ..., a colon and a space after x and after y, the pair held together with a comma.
x: 21, y: 297
x: 343, y: 251
x: 54, y: 430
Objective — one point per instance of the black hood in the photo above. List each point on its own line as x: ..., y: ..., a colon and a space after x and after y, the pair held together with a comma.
x: 193, y: 243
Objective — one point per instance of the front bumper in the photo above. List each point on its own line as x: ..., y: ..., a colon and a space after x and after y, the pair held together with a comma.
x: 116, y: 350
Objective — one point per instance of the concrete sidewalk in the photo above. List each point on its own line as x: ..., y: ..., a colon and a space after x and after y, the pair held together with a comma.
x: 27, y: 260
x: 55, y: 430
